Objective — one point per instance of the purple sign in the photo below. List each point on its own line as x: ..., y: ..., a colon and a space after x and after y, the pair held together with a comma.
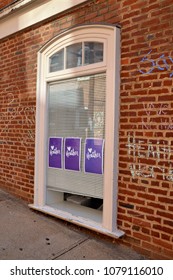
x: 55, y: 152
x: 72, y: 153
x: 94, y: 155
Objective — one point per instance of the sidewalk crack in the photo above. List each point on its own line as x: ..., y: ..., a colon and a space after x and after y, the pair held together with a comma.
x: 70, y: 248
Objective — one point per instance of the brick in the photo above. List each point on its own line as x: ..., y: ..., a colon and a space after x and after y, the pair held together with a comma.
x: 156, y: 205
x: 145, y: 210
x: 168, y: 223
x: 140, y: 18
x: 168, y: 254
x: 149, y: 246
x: 151, y: 22
x: 146, y: 196
x: 141, y: 223
x: 164, y: 244
x: 155, y: 233
x: 163, y: 228
x: 165, y: 200
x: 165, y: 214
x: 129, y: 2
x: 165, y: 237
x: 165, y: 98
x: 142, y: 236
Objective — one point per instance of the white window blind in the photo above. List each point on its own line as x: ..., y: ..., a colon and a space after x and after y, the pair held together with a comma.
x: 76, y: 108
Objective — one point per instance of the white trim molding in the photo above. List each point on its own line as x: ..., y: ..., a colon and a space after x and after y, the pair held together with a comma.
x: 110, y: 35
x: 26, y: 13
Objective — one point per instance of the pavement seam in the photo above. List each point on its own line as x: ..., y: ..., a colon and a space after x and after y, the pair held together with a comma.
x: 70, y: 248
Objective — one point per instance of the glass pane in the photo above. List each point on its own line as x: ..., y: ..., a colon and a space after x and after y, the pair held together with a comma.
x: 77, y: 109
x: 57, y: 61
x: 74, y: 55
x: 93, y: 52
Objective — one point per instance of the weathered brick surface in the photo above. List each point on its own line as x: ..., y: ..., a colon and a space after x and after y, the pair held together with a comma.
x: 146, y: 113
x: 5, y: 3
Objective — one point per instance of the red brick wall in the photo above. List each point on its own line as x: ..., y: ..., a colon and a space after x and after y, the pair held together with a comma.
x: 145, y: 210
x: 5, y: 3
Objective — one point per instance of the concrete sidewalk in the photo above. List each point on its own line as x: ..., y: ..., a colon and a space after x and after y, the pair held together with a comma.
x: 30, y: 235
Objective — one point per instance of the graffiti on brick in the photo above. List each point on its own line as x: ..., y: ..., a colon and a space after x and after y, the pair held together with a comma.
x: 152, y: 111
x: 162, y: 63
x: 160, y: 109
x: 147, y: 149
x: 17, y: 120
